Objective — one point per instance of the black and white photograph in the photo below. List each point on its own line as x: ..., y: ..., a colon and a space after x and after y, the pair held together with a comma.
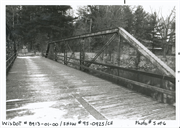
x: 106, y: 64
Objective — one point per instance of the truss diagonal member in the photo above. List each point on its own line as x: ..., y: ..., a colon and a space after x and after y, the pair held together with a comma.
x: 73, y: 53
x: 71, y: 56
x: 146, y: 52
x: 102, y: 49
x: 69, y: 47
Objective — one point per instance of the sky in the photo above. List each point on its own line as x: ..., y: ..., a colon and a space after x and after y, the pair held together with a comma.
x: 163, y: 10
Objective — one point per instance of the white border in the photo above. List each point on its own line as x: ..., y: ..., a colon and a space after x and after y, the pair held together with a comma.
x: 117, y: 123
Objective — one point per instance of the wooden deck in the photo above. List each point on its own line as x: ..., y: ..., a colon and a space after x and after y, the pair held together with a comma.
x: 39, y: 88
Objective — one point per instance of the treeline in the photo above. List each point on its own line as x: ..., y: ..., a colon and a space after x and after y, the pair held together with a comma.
x: 146, y: 27
x: 33, y: 26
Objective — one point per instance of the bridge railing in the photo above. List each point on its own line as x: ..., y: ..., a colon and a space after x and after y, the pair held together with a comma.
x: 160, y: 85
x: 11, y: 54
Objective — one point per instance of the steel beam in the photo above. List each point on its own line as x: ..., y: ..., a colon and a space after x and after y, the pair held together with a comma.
x: 89, y: 35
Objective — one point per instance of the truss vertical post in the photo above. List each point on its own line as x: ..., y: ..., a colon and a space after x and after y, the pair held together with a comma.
x: 15, y: 51
x: 137, y: 61
x: 55, y: 52
x: 82, y: 53
x: 47, y: 50
x: 65, y: 54
x: 165, y: 86
x: 118, y: 53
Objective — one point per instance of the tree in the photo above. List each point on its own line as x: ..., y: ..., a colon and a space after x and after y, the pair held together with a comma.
x: 82, y: 23
x: 51, y: 21
x: 166, y: 31
x: 140, y: 23
x: 128, y: 18
x: 11, y: 36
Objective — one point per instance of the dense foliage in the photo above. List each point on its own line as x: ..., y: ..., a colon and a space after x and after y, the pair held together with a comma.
x: 34, y: 25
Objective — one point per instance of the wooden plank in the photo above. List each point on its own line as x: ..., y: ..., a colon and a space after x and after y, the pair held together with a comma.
x: 170, y: 117
x: 131, y: 108
x: 105, y: 97
x: 138, y: 110
x: 144, y: 108
x: 117, y: 105
x: 161, y: 113
x: 147, y: 53
x: 122, y: 101
x: 164, y: 115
